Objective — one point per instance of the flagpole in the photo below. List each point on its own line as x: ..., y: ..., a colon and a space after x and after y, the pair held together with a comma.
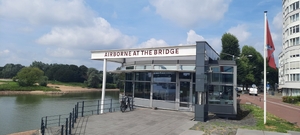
x: 265, y: 65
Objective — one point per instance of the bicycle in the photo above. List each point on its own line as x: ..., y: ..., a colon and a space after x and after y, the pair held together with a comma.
x: 125, y: 103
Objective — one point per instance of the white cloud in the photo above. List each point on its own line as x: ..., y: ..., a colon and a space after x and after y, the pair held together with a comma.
x: 277, y: 21
x: 47, y: 11
x: 192, y: 12
x: 99, y: 35
x: 153, y: 43
x: 60, y: 52
x: 192, y: 37
x: 146, y: 9
x: 240, y: 32
x: 215, y: 43
x: 4, y: 52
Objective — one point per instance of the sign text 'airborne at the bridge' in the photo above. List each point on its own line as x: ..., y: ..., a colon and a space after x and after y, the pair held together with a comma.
x: 146, y: 52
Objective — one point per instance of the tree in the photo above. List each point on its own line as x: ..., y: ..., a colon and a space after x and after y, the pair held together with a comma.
x: 250, y: 67
x: 29, y: 75
x: 83, y: 73
x: 94, y: 78
x: 10, y: 70
x: 272, y: 76
x: 230, y: 45
x: 42, y: 66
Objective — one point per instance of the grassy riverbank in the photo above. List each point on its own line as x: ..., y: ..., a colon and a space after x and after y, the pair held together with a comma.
x: 14, y: 86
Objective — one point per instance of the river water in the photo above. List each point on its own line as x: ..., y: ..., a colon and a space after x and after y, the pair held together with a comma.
x: 24, y: 112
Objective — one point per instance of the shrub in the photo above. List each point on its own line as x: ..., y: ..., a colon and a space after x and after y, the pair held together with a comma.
x: 43, y: 81
x: 27, y: 76
x: 290, y: 99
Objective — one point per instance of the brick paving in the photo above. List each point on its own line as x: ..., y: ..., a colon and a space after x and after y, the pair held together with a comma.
x: 275, y: 106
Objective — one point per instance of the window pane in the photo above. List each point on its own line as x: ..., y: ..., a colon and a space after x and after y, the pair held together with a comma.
x: 185, y: 75
x: 227, y: 78
x: 215, y: 69
x: 129, y: 67
x: 128, y: 88
x: 165, y: 67
x: 226, y: 69
x: 143, y: 76
x: 164, y: 77
x: 139, y: 67
x: 215, y: 77
x: 142, y: 90
x: 214, y: 94
x: 226, y: 95
x: 164, y: 91
x: 182, y: 67
x: 129, y: 76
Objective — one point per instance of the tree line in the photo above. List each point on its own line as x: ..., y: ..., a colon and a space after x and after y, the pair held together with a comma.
x: 250, y: 63
x: 59, y: 72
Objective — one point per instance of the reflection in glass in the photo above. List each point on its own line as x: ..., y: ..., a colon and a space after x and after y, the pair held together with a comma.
x: 215, y: 69
x: 184, y: 94
x: 220, y: 94
x: 165, y: 67
x: 142, y: 90
x: 164, y: 91
x: 227, y: 69
x: 129, y: 67
x: 143, y: 76
x: 227, y: 78
x: 128, y: 88
x: 186, y: 67
x: 129, y: 76
x: 215, y: 77
x: 164, y: 77
x: 185, y: 75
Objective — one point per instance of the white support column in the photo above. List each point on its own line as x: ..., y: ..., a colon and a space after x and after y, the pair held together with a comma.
x: 265, y: 69
x: 103, y: 85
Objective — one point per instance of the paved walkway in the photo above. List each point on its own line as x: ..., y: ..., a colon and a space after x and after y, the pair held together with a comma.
x: 147, y: 121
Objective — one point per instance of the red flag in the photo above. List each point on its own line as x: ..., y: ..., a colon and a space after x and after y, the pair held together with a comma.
x: 271, y: 48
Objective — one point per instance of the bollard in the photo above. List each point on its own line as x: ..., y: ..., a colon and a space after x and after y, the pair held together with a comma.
x: 73, y: 119
x: 82, y: 108
x: 77, y: 110
x: 46, y: 122
x: 70, y: 123
x: 98, y: 107
x: 132, y: 103
x: 110, y: 110
x: 42, y: 127
x: 62, y: 130
x: 66, y: 126
x: 59, y: 120
x: 75, y: 115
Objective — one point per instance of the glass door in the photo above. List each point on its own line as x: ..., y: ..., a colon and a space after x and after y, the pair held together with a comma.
x: 184, y: 93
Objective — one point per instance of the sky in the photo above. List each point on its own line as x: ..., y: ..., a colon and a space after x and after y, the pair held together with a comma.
x: 66, y: 31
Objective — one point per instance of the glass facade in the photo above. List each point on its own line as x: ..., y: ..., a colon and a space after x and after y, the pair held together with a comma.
x: 220, y: 85
x: 164, y: 91
x: 178, y: 86
x: 142, y: 90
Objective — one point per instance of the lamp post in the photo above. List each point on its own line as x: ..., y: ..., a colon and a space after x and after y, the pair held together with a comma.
x: 233, y: 56
x: 228, y: 55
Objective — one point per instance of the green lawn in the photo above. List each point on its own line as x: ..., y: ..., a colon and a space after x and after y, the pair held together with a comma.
x: 273, y: 123
x: 13, y: 86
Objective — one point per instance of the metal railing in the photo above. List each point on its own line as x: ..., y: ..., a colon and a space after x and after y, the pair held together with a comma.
x: 65, y: 122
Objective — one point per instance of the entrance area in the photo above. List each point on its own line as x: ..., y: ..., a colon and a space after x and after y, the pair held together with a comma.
x: 184, y: 94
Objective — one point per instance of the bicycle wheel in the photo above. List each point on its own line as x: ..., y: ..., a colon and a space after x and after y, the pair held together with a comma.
x: 122, y: 107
